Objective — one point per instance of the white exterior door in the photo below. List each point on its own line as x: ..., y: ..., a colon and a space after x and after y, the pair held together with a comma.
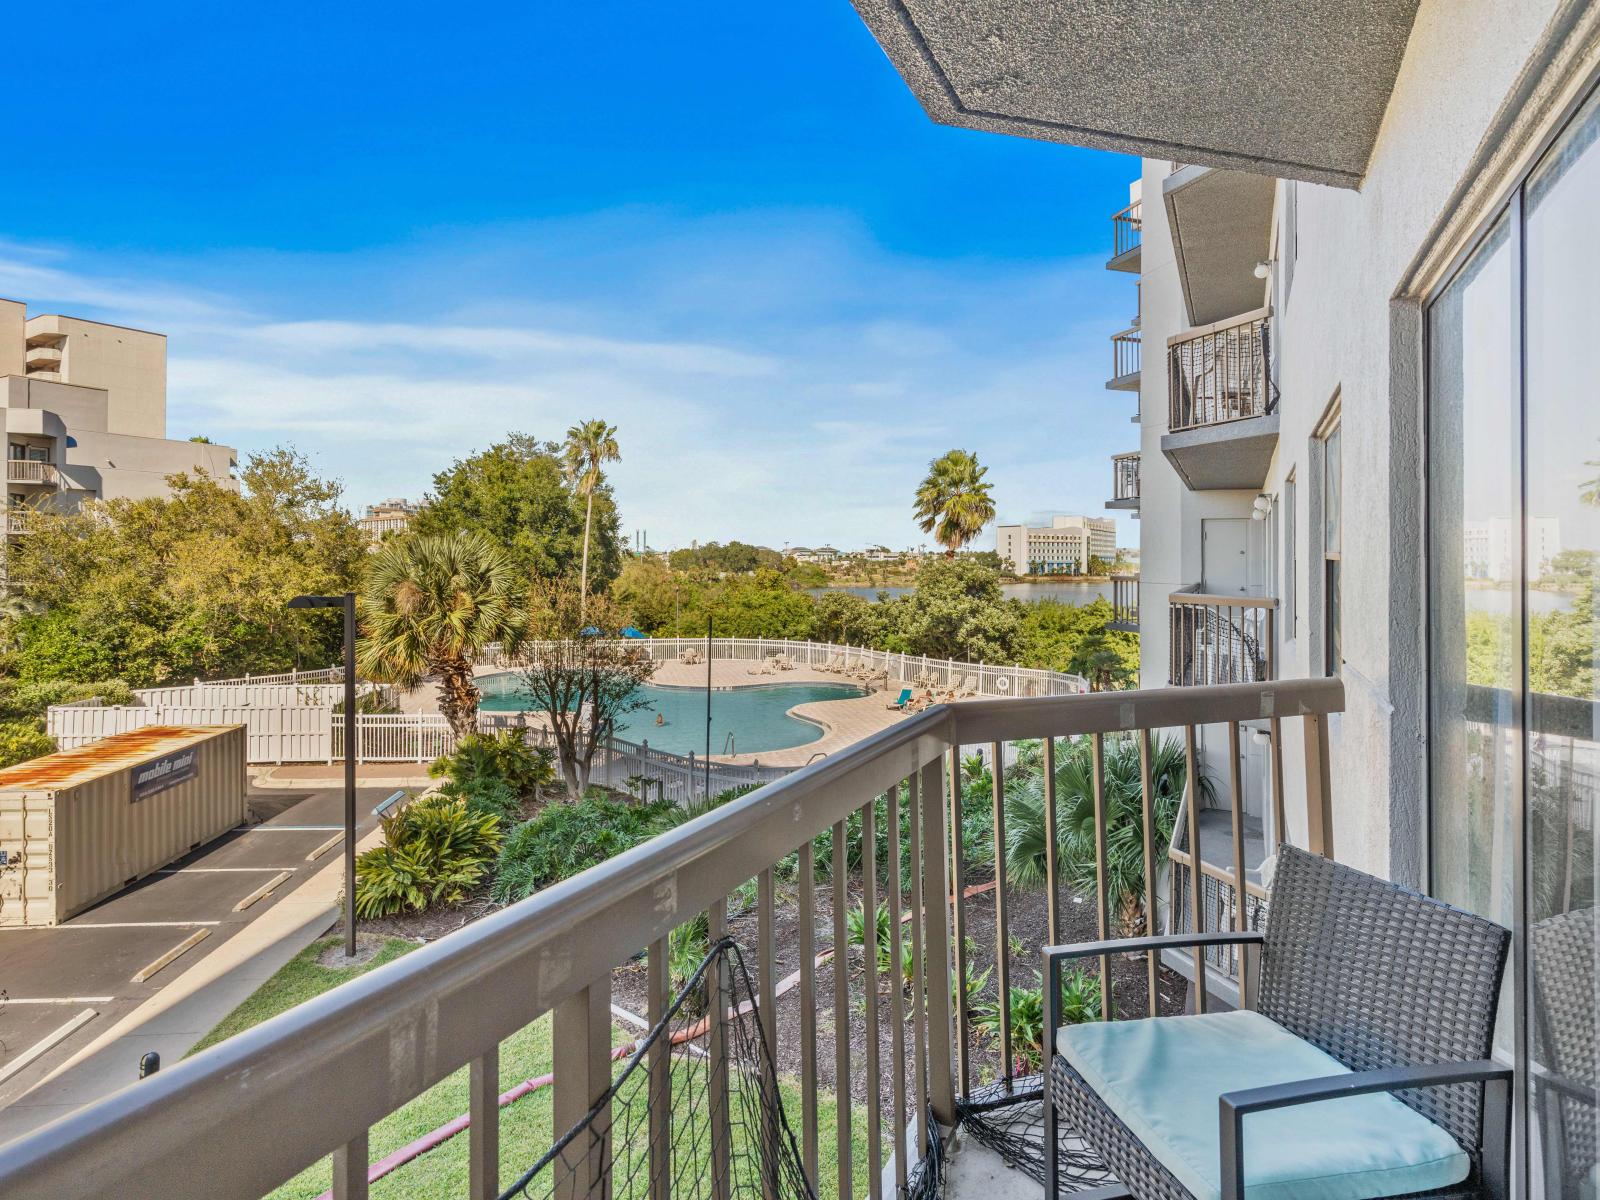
x: 1230, y: 556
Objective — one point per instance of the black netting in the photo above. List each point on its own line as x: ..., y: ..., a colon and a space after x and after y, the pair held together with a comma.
x: 1010, y: 1121
x: 712, y: 1117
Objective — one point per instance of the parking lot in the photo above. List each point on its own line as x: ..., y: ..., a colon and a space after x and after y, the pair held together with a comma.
x: 61, y: 985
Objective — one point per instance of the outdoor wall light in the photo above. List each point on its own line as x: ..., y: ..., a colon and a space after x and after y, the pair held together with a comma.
x: 1260, y: 507
x: 1263, y: 269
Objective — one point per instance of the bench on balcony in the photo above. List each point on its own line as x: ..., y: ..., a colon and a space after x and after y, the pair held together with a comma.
x: 1364, y: 1067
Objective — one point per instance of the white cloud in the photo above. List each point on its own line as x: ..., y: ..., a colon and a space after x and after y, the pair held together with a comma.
x: 776, y: 378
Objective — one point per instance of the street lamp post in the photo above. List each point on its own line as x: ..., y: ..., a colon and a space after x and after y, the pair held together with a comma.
x: 347, y: 602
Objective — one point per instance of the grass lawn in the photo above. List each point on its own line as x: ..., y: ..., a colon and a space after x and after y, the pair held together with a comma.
x: 525, y: 1127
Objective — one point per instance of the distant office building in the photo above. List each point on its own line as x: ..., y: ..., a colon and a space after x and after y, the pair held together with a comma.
x: 393, y: 516
x: 1063, y: 547
x: 83, y: 408
x: 1492, y: 550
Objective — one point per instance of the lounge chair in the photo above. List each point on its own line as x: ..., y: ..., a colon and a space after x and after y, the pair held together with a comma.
x: 902, y: 702
x: 1372, y: 996
x: 968, y: 688
x: 835, y: 661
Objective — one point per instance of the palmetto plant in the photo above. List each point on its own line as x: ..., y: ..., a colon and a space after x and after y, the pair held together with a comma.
x: 429, y: 605
x: 953, y: 502
x: 588, y: 448
x: 1075, y: 827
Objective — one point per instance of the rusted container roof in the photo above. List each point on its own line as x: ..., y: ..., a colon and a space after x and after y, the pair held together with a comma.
x: 67, y: 768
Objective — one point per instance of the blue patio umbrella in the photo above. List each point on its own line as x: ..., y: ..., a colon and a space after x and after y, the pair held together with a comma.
x: 589, y: 631
x: 629, y: 631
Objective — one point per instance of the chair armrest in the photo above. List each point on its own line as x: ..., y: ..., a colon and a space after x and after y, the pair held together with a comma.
x: 1235, y: 1106
x: 1165, y: 941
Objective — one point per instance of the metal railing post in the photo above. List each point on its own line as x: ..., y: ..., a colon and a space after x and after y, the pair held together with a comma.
x: 935, y: 981
x: 581, y: 1060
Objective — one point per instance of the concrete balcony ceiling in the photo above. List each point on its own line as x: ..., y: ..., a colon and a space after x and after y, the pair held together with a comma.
x: 1221, y: 228
x: 1232, y: 456
x: 1292, y: 90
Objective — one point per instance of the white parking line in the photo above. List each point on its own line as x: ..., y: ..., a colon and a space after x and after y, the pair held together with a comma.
x: 290, y: 828
x: 56, y: 1000
x: 218, y: 870
x: 44, y: 1044
x: 116, y: 925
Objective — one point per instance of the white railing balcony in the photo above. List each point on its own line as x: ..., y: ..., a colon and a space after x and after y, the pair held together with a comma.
x: 1124, y: 361
x: 313, y: 1080
x: 1127, y: 229
x: 27, y: 470
x: 1220, y: 372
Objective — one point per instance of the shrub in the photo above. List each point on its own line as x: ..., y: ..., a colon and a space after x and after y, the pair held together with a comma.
x: 567, y: 838
x: 22, y: 740
x: 1080, y: 1002
x: 436, y: 848
x: 22, y: 701
x: 504, y: 757
x: 493, y: 796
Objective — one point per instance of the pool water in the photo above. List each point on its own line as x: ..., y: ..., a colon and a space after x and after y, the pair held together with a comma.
x: 757, y: 717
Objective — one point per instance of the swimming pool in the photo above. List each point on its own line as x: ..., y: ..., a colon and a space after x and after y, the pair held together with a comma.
x: 757, y: 717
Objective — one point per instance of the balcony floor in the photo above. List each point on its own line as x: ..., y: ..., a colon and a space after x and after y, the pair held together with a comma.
x: 973, y: 1171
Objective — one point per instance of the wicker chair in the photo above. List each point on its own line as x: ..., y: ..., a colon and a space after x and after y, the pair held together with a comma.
x: 1398, y: 987
x: 1562, y: 950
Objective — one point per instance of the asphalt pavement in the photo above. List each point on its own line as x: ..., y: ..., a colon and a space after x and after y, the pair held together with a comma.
x: 60, y: 986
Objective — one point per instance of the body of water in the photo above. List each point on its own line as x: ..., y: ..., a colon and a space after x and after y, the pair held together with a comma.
x: 1067, y: 593
x: 674, y: 718
x: 1498, y: 601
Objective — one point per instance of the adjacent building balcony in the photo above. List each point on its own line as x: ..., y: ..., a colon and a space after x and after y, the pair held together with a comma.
x: 1124, y: 481
x: 1125, y: 603
x: 1222, y: 419
x: 43, y: 358
x: 1126, y: 236
x: 1124, y: 361
x: 18, y: 523
x: 1217, y: 639
x: 28, y: 471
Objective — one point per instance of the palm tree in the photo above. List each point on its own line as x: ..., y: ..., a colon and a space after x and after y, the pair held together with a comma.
x: 953, y: 502
x: 588, y: 448
x: 429, y: 605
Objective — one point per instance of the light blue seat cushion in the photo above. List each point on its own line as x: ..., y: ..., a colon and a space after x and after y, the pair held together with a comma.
x: 1162, y: 1078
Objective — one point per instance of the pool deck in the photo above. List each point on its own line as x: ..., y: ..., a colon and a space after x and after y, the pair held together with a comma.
x: 845, y: 721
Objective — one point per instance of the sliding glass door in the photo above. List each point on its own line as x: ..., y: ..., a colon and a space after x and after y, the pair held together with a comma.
x: 1513, y: 542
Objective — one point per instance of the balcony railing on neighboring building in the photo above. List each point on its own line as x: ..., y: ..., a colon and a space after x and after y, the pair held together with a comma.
x: 1124, y: 361
x: 1127, y: 229
x: 18, y: 523
x: 1125, y: 602
x: 1221, y: 372
x: 26, y: 470
x: 321, y: 1075
x: 1218, y: 639
x: 1125, y: 476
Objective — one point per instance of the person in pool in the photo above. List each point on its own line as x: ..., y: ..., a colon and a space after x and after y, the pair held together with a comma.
x: 661, y: 719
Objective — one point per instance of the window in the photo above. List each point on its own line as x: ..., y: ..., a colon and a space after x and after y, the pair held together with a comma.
x: 1513, y: 542
x: 1291, y: 564
x: 1332, y: 532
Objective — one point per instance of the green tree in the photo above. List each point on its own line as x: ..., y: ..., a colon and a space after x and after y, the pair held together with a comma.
x: 588, y: 448
x: 953, y: 502
x: 957, y: 611
x: 515, y: 492
x: 429, y: 605
x: 194, y: 583
x: 848, y: 620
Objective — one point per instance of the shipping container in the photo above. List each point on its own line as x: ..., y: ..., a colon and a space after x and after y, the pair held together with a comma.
x: 79, y: 825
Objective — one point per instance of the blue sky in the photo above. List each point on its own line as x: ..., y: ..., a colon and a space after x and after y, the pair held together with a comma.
x: 390, y: 233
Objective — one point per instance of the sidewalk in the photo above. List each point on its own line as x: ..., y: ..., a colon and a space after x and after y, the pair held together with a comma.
x: 187, y: 1009
x: 318, y: 776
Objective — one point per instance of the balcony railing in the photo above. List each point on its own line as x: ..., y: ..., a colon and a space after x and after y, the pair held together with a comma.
x: 1127, y: 228
x: 1125, y: 476
x: 320, y: 1075
x: 1125, y: 602
x: 23, y: 470
x: 1124, y: 361
x: 18, y: 523
x: 1220, y: 373
x: 1218, y: 639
